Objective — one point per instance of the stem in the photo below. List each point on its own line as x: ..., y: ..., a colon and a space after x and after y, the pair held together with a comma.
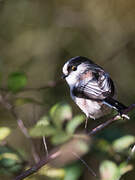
x: 21, y: 125
x: 45, y: 145
x: 37, y: 166
x: 51, y: 157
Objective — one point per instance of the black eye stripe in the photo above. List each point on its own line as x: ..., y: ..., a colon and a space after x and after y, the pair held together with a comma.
x: 71, y: 68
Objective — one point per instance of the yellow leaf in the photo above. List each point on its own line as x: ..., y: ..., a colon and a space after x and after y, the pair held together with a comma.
x: 4, y: 132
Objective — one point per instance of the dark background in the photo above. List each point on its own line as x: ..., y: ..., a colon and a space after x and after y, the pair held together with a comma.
x: 37, y: 37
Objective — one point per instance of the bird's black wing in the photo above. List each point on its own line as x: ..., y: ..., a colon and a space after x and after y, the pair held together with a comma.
x: 98, y: 86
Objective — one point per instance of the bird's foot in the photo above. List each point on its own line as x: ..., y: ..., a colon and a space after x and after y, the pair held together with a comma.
x: 125, y: 116
x: 86, y: 122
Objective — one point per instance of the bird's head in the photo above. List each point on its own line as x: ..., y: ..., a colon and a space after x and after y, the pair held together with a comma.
x: 74, y: 67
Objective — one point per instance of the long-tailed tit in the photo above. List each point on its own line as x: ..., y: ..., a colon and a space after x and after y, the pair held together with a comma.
x: 91, y: 87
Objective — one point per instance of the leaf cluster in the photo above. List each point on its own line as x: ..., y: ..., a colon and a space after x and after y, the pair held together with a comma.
x: 53, y: 124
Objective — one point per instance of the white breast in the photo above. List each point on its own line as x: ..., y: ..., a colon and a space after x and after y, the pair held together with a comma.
x: 91, y: 108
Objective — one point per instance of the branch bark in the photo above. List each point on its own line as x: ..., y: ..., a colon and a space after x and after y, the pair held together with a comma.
x: 50, y: 84
x: 21, y: 126
x: 37, y: 166
x: 51, y: 157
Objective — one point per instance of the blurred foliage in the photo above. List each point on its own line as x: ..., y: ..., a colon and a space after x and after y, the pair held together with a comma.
x: 123, y: 143
x: 10, y: 161
x: 110, y: 171
x: 16, y: 81
x: 72, y: 172
x: 36, y: 38
x: 52, y: 125
x: 4, y: 132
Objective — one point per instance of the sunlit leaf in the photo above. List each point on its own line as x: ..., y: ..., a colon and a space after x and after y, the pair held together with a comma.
x: 74, y: 123
x: 60, y: 112
x: 123, y: 143
x: 52, y: 172
x: 16, y: 81
x: 60, y: 137
x: 73, y: 172
x: 109, y: 171
x: 124, y: 168
x: 4, y: 132
x: 44, y: 121
x: 9, y: 155
x: 39, y: 131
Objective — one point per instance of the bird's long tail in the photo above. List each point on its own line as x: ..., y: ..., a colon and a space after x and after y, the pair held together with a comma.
x: 115, y: 105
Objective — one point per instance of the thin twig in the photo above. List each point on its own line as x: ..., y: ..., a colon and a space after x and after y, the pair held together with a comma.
x: 86, y: 122
x: 37, y: 166
x: 110, y: 121
x: 10, y: 108
x: 89, y: 169
x: 45, y: 145
x: 56, y: 154
x: 20, y: 123
x: 50, y: 84
x: 103, y: 125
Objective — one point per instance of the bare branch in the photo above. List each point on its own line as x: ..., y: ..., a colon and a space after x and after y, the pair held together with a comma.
x: 37, y: 166
x: 21, y: 125
x: 103, y: 125
x: 51, y: 157
x: 89, y: 169
x: 45, y: 145
x: 50, y: 84
x: 110, y: 121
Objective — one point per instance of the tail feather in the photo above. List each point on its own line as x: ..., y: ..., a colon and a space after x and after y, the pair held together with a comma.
x: 115, y: 104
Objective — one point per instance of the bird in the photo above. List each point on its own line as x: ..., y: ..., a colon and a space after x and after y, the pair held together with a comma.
x: 91, y: 88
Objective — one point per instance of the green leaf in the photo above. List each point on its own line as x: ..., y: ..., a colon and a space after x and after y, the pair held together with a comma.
x: 42, y: 128
x: 60, y: 112
x: 52, y: 172
x: 16, y: 81
x: 60, y: 137
x: 109, y: 171
x: 124, y: 168
x: 73, y: 172
x: 39, y: 131
x: 4, y: 132
x: 74, y: 123
x: 44, y: 121
x: 10, y: 161
x: 123, y: 143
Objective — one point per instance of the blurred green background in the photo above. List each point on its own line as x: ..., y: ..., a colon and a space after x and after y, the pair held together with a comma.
x: 36, y: 38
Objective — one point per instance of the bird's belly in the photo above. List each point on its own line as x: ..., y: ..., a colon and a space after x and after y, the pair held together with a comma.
x: 92, y: 109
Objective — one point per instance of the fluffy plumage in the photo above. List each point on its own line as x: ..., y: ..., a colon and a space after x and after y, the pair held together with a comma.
x: 91, y: 87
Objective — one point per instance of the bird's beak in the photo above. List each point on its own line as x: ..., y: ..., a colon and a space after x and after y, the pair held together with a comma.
x: 64, y: 76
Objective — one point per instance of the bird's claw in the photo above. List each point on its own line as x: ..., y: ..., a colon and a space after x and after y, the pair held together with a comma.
x: 125, y: 116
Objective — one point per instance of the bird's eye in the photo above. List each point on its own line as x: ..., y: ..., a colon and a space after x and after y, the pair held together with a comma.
x: 74, y: 68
